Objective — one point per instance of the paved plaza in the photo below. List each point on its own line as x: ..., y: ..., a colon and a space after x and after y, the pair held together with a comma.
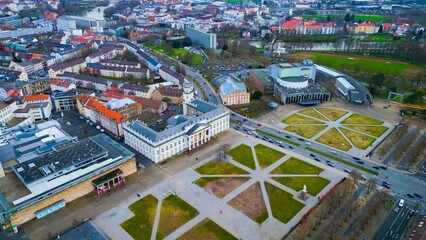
x: 218, y: 209
x: 338, y: 125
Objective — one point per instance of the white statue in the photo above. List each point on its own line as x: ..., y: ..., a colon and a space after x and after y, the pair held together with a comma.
x: 304, y: 189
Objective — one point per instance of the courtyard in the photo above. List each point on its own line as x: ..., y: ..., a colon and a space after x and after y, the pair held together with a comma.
x: 337, y: 128
x: 253, y: 193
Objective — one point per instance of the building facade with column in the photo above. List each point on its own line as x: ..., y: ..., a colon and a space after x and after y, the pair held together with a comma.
x: 185, y: 132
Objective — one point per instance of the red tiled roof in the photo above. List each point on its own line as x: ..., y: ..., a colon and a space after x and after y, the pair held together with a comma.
x: 60, y: 83
x: 37, y: 97
x: 152, y: 103
x: 170, y: 92
x: 94, y: 104
x: 366, y: 25
x: 317, y: 26
x: 291, y: 23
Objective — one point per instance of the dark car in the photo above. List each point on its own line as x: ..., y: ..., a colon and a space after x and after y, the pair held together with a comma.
x: 418, y: 195
x: 384, y: 167
x: 410, y: 195
x: 386, y: 186
x: 281, y: 146
x: 376, y: 167
x: 287, y: 136
x: 232, y: 114
x: 289, y: 146
x: 256, y: 136
x: 317, y: 159
x: 312, y: 155
x: 360, y: 162
x: 355, y: 158
x: 271, y: 141
x: 301, y: 139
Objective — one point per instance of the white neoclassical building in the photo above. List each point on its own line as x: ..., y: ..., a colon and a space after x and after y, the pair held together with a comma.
x: 185, y: 132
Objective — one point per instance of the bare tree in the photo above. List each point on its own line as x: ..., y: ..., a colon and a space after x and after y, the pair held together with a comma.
x: 355, y: 175
x: 222, y: 150
x: 371, y: 184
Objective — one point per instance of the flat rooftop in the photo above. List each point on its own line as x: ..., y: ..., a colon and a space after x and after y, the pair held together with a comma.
x: 311, y: 89
x: 56, y: 161
x: 263, y: 75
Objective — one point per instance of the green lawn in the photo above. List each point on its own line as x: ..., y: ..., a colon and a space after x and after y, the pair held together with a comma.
x: 334, y: 139
x: 178, y: 54
x: 373, y: 18
x: 311, y: 112
x: 140, y: 226
x: 357, y: 139
x: 284, y: 207
x: 332, y: 114
x: 306, y: 131
x: 343, y: 161
x: 174, y: 213
x: 359, y: 119
x: 370, y: 65
x: 299, y: 119
x: 266, y: 156
x: 262, y: 217
x: 207, y: 229
x: 277, y: 137
x: 219, y: 167
x: 314, y: 185
x: 203, y: 181
x: 243, y: 154
x: 376, y: 131
x: 296, y: 166
x: 378, y: 38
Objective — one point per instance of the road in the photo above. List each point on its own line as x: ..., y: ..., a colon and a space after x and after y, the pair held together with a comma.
x: 396, y: 223
x: 400, y: 183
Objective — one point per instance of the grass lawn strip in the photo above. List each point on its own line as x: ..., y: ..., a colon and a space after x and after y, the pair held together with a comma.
x: 243, y: 154
x: 359, y: 140
x: 217, y: 167
x: 207, y: 229
x: 342, y: 161
x: 332, y: 114
x: 284, y: 207
x: 333, y: 138
x: 174, y: 213
x: 299, y: 119
x: 140, y: 226
x: 306, y: 131
x: 376, y: 131
x: 311, y: 112
x: 359, y: 119
x: 203, y: 181
x: 296, y: 166
x: 277, y: 137
x: 314, y: 185
x: 266, y: 156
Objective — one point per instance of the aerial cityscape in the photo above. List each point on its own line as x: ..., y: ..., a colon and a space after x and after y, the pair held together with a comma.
x: 231, y: 119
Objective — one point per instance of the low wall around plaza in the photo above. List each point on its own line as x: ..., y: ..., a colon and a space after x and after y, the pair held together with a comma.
x: 69, y: 194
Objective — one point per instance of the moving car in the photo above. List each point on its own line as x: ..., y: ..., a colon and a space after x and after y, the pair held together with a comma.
x: 376, y: 167
x: 289, y: 146
x: 401, y: 203
x: 359, y: 161
x: 317, y: 159
x: 287, y: 136
x: 418, y: 195
x: 333, y: 152
x: 355, y: 158
x: 346, y: 170
x: 312, y: 155
x: 410, y: 195
x: 384, y: 167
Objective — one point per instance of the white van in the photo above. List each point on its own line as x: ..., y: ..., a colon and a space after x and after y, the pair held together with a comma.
x: 401, y: 203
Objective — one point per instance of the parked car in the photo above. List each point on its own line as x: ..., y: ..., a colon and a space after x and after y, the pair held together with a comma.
x: 401, y: 203
x: 410, y: 195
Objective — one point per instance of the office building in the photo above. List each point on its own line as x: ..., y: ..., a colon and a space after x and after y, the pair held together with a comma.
x: 201, y: 37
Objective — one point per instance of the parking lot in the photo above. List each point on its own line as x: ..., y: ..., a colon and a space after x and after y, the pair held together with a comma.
x: 74, y: 125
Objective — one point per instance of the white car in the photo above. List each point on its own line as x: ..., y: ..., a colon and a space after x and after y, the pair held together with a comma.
x: 308, y: 143
x: 333, y: 152
x: 401, y: 203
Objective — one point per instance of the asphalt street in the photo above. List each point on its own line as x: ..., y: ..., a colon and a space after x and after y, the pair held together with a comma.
x: 396, y: 223
x: 401, y: 183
